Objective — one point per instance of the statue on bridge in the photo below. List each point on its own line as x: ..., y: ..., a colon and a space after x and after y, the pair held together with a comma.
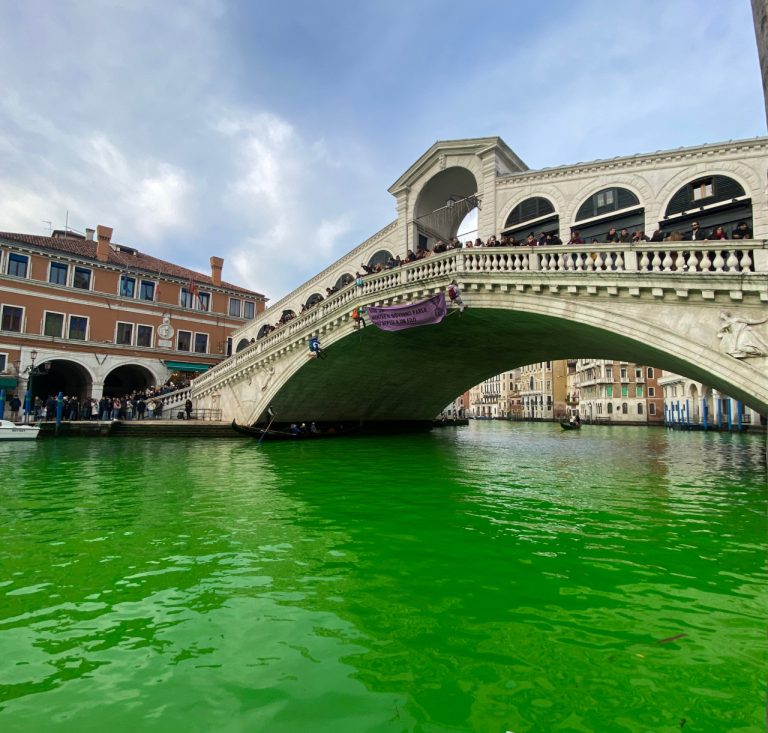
x: 738, y: 339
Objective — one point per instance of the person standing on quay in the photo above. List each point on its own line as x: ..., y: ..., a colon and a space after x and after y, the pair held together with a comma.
x: 188, y: 409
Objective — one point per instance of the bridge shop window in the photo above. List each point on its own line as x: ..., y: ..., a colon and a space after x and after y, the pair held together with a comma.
x: 184, y: 341
x: 78, y: 328
x: 57, y: 274
x: 535, y: 214
x: 380, y: 259
x: 17, y: 264
x: 12, y: 318
x: 53, y: 324
x: 344, y: 280
x: 614, y: 207
x: 313, y: 300
x: 82, y: 278
x: 243, y: 343
x: 711, y: 201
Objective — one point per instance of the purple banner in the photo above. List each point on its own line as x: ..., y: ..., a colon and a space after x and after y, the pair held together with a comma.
x: 398, y: 317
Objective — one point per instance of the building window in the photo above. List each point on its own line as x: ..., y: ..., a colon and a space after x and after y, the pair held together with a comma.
x: 78, y: 328
x: 649, y: 373
x: 144, y: 336
x: 186, y: 298
x: 17, y: 264
x: 147, y: 290
x: 201, y: 343
x: 624, y: 390
x: 610, y: 408
x: 651, y: 409
x: 3, y: 362
x: 608, y: 371
x: 127, y: 286
x: 639, y: 408
x: 624, y: 408
x: 609, y: 391
x: 639, y: 390
x: 234, y: 307
x: 53, y: 324
x: 12, y: 318
x: 57, y: 275
x: 82, y: 278
x: 184, y: 341
x: 702, y: 189
x: 651, y: 392
x: 624, y: 372
x: 124, y: 334
x: 604, y: 198
x: 249, y: 309
x: 638, y: 373
x: 204, y: 301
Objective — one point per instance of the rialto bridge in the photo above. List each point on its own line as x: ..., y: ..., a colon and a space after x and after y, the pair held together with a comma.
x: 698, y: 309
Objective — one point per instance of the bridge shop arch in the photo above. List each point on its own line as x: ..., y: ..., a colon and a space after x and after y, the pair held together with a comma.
x: 127, y: 378
x: 344, y: 280
x: 61, y: 375
x: 615, y: 207
x: 443, y: 203
x: 313, y: 300
x: 382, y: 257
x: 536, y: 214
x: 243, y: 343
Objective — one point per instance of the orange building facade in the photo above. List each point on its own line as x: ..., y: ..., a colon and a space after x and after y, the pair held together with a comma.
x: 88, y: 317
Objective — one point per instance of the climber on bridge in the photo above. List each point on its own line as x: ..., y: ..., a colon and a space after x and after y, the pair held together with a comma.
x: 357, y: 316
x: 454, y: 294
x: 314, y: 347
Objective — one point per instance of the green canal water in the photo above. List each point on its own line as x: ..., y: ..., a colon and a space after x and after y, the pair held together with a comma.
x: 500, y: 577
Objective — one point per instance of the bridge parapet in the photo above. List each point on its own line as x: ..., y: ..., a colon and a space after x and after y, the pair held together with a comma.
x: 734, y: 269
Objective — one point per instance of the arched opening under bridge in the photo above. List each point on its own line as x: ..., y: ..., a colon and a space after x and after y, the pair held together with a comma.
x: 61, y: 375
x: 126, y: 379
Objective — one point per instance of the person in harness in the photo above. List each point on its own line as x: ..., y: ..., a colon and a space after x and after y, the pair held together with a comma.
x: 314, y: 347
x: 454, y: 295
x: 357, y: 316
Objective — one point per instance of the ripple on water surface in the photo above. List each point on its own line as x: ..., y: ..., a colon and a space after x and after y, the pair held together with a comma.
x: 498, y: 577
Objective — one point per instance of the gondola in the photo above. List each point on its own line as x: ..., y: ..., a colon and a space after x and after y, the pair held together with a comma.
x: 263, y: 434
x: 566, y: 425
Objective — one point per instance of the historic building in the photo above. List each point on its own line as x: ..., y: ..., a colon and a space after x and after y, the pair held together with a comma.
x: 616, y: 392
x: 543, y: 389
x: 88, y: 316
x: 691, y: 405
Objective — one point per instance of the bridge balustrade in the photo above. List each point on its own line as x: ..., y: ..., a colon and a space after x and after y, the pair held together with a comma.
x: 709, y: 258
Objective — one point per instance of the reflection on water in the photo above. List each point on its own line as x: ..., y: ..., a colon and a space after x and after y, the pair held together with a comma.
x: 499, y: 577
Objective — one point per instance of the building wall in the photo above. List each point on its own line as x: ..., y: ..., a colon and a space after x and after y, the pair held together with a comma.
x: 101, y: 348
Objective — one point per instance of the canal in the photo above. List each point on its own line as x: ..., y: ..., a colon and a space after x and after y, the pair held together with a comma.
x: 499, y: 577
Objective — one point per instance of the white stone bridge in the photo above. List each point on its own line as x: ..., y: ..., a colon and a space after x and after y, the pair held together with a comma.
x: 695, y: 308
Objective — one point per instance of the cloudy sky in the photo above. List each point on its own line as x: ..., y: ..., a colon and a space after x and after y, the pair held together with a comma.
x: 268, y: 132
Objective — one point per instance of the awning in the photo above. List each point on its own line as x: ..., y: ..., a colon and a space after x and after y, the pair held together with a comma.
x: 7, y: 382
x: 184, y: 366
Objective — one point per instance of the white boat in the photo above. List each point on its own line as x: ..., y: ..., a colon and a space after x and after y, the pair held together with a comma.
x: 11, y: 431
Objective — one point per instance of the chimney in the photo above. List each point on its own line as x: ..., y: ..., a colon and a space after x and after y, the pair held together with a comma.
x: 216, y: 264
x: 89, y: 234
x: 103, y: 235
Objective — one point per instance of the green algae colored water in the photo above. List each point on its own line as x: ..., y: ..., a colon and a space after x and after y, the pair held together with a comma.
x: 500, y: 577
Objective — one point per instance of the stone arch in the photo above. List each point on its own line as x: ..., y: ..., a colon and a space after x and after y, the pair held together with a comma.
x: 313, y: 300
x: 740, y: 173
x: 344, y: 280
x: 442, y: 203
x: 505, y: 225
x: 694, y: 402
x: 243, y: 343
x: 61, y: 375
x: 128, y: 377
x: 380, y: 257
x: 634, y: 183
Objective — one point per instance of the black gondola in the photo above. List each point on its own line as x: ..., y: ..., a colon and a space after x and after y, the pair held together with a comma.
x: 565, y: 425
x: 271, y: 434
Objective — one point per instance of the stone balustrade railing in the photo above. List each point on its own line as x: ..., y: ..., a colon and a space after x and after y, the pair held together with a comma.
x: 714, y: 259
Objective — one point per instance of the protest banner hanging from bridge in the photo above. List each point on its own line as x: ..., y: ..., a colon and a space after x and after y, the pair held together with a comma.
x: 399, y: 317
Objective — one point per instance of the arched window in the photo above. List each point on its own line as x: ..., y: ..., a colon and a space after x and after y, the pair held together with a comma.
x: 535, y: 214
x: 711, y: 201
x: 624, y: 408
x: 639, y: 408
x: 242, y: 343
x: 610, y: 408
x: 344, y: 280
x: 313, y: 299
x: 613, y: 207
x: 382, y: 257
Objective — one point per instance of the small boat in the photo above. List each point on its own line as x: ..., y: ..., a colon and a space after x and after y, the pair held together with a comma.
x: 272, y: 434
x: 566, y: 425
x: 11, y: 431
